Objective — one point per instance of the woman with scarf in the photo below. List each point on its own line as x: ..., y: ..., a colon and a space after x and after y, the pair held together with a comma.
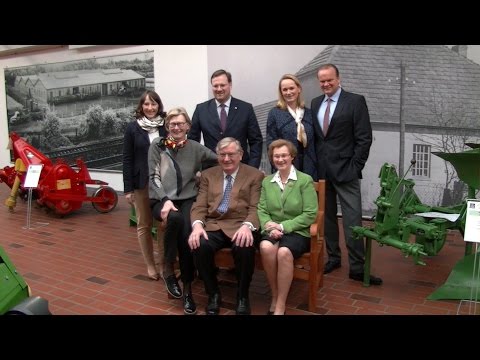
x: 148, y: 125
x: 173, y: 163
x: 292, y: 121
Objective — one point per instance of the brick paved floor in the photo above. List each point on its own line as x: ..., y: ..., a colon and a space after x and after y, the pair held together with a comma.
x: 90, y: 263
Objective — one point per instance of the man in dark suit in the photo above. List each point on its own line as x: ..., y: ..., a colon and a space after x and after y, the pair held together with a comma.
x: 225, y: 215
x: 227, y: 116
x: 343, y: 136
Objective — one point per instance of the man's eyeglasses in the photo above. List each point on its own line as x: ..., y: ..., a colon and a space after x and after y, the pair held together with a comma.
x: 230, y: 155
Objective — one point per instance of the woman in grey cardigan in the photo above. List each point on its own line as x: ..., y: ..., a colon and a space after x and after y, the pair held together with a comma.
x: 173, y: 164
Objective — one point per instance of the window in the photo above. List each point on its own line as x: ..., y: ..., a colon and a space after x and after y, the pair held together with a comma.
x: 421, y: 153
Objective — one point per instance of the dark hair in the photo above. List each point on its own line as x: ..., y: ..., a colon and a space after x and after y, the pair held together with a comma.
x: 327, y: 66
x: 279, y: 143
x: 153, y: 96
x: 220, y: 73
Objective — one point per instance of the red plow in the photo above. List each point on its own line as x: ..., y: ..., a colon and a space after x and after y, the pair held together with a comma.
x: 61, y: 188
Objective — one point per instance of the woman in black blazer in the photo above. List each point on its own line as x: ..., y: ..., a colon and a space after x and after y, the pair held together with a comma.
x: 148, y: 125
x: 291, y: 120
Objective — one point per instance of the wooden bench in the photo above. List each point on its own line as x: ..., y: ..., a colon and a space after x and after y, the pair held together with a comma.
x: 308, y: 267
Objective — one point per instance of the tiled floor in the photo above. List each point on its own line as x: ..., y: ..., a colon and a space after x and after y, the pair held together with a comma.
x: 90, y: 263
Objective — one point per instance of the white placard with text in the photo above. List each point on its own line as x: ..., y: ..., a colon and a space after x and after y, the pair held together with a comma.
x: 472, y: 222
x: 33, y: 176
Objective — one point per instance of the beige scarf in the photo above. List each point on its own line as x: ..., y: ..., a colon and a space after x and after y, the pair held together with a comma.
x: 298, y: 116
x: 150, y: 125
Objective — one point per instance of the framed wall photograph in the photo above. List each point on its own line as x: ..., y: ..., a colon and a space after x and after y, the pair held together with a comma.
x: 78, y: 108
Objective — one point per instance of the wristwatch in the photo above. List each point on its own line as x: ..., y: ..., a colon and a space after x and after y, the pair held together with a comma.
x: 250, y: 226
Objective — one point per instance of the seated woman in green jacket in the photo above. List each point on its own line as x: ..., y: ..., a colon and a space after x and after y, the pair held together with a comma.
x: 287, y: 207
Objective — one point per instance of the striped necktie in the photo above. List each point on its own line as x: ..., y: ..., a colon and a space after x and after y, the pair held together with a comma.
x: 222, y: 208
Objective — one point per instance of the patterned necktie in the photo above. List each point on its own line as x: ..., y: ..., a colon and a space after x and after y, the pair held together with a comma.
x: 326, y: 117
x: 222, y: 208
x: 223, y: 117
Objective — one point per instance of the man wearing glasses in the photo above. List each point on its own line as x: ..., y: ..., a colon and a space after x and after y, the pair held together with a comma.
x: 225, y: 215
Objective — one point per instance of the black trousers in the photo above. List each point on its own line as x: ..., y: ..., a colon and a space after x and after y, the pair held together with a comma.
x: 177, y: 231
x: 244, y: 258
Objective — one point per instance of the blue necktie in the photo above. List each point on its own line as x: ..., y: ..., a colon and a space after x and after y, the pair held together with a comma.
x: 222, y: 208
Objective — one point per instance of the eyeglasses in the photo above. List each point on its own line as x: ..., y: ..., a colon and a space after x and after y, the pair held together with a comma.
x: 281, y: 156
x: 179, y: 124
x: 230, y: 155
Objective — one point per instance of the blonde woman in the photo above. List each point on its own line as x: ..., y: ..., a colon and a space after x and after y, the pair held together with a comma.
x: 173, y: 163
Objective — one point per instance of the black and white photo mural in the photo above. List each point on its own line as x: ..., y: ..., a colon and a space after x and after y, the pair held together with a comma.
x: 78, y: 108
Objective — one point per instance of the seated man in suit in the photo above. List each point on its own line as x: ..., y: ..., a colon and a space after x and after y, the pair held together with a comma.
x: 225, y: 215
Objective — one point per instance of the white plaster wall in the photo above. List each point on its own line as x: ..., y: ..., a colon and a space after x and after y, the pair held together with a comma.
x: 385, y: 149
x: 256, y: 69
x: 181, y: 79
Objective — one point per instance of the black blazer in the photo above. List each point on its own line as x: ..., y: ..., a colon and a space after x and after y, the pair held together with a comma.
x: 242, y: 124
x: 282, y: 125
x: 342, y: 154
x: 135, y: 156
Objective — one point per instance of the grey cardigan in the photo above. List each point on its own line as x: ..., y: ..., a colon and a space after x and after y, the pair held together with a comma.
x: 172, y: 172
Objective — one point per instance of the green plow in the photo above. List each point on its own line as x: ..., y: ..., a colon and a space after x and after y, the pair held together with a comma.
x: 462, y: 283
x: 397, y: 221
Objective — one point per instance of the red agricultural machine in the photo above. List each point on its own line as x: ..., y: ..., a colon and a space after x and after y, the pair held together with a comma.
x: 60, y: 187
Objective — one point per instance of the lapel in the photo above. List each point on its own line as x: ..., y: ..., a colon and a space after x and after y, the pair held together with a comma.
x: 212, y: 109
x: 238, y: 184
x: 142, y: 133
x: 315, y: 109
x: 287, y: 191
x: 232, y: 112
x: 338, y: 110
x: 218, y: 187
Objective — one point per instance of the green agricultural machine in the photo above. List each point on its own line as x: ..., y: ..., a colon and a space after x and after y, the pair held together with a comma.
x: 419, y: 230
x: 15, y: 294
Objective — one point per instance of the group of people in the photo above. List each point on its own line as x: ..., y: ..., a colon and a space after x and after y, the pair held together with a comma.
x: 212, y: 196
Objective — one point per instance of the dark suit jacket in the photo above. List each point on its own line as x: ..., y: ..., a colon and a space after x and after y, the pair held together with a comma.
x: 135, y: 156
x: 243, y: 199
x: 242, y: 125
x: 342, y: 154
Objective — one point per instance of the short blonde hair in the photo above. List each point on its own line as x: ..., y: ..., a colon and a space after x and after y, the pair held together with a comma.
x: 279, y: 143
x: 176, y: 111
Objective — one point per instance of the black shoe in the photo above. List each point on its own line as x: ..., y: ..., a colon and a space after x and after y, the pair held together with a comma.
x: 189, y: 307
x: 172, y: 286
x: 213, y: 306
x: 243, y: 307
x: 330, y: 266
x: 359, y: 277
x: 269, y: 312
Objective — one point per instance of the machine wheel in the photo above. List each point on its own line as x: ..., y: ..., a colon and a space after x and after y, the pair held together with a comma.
x: 109, y: 197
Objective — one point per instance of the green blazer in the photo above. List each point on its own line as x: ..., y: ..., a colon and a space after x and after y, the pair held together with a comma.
x: 296, y: 210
